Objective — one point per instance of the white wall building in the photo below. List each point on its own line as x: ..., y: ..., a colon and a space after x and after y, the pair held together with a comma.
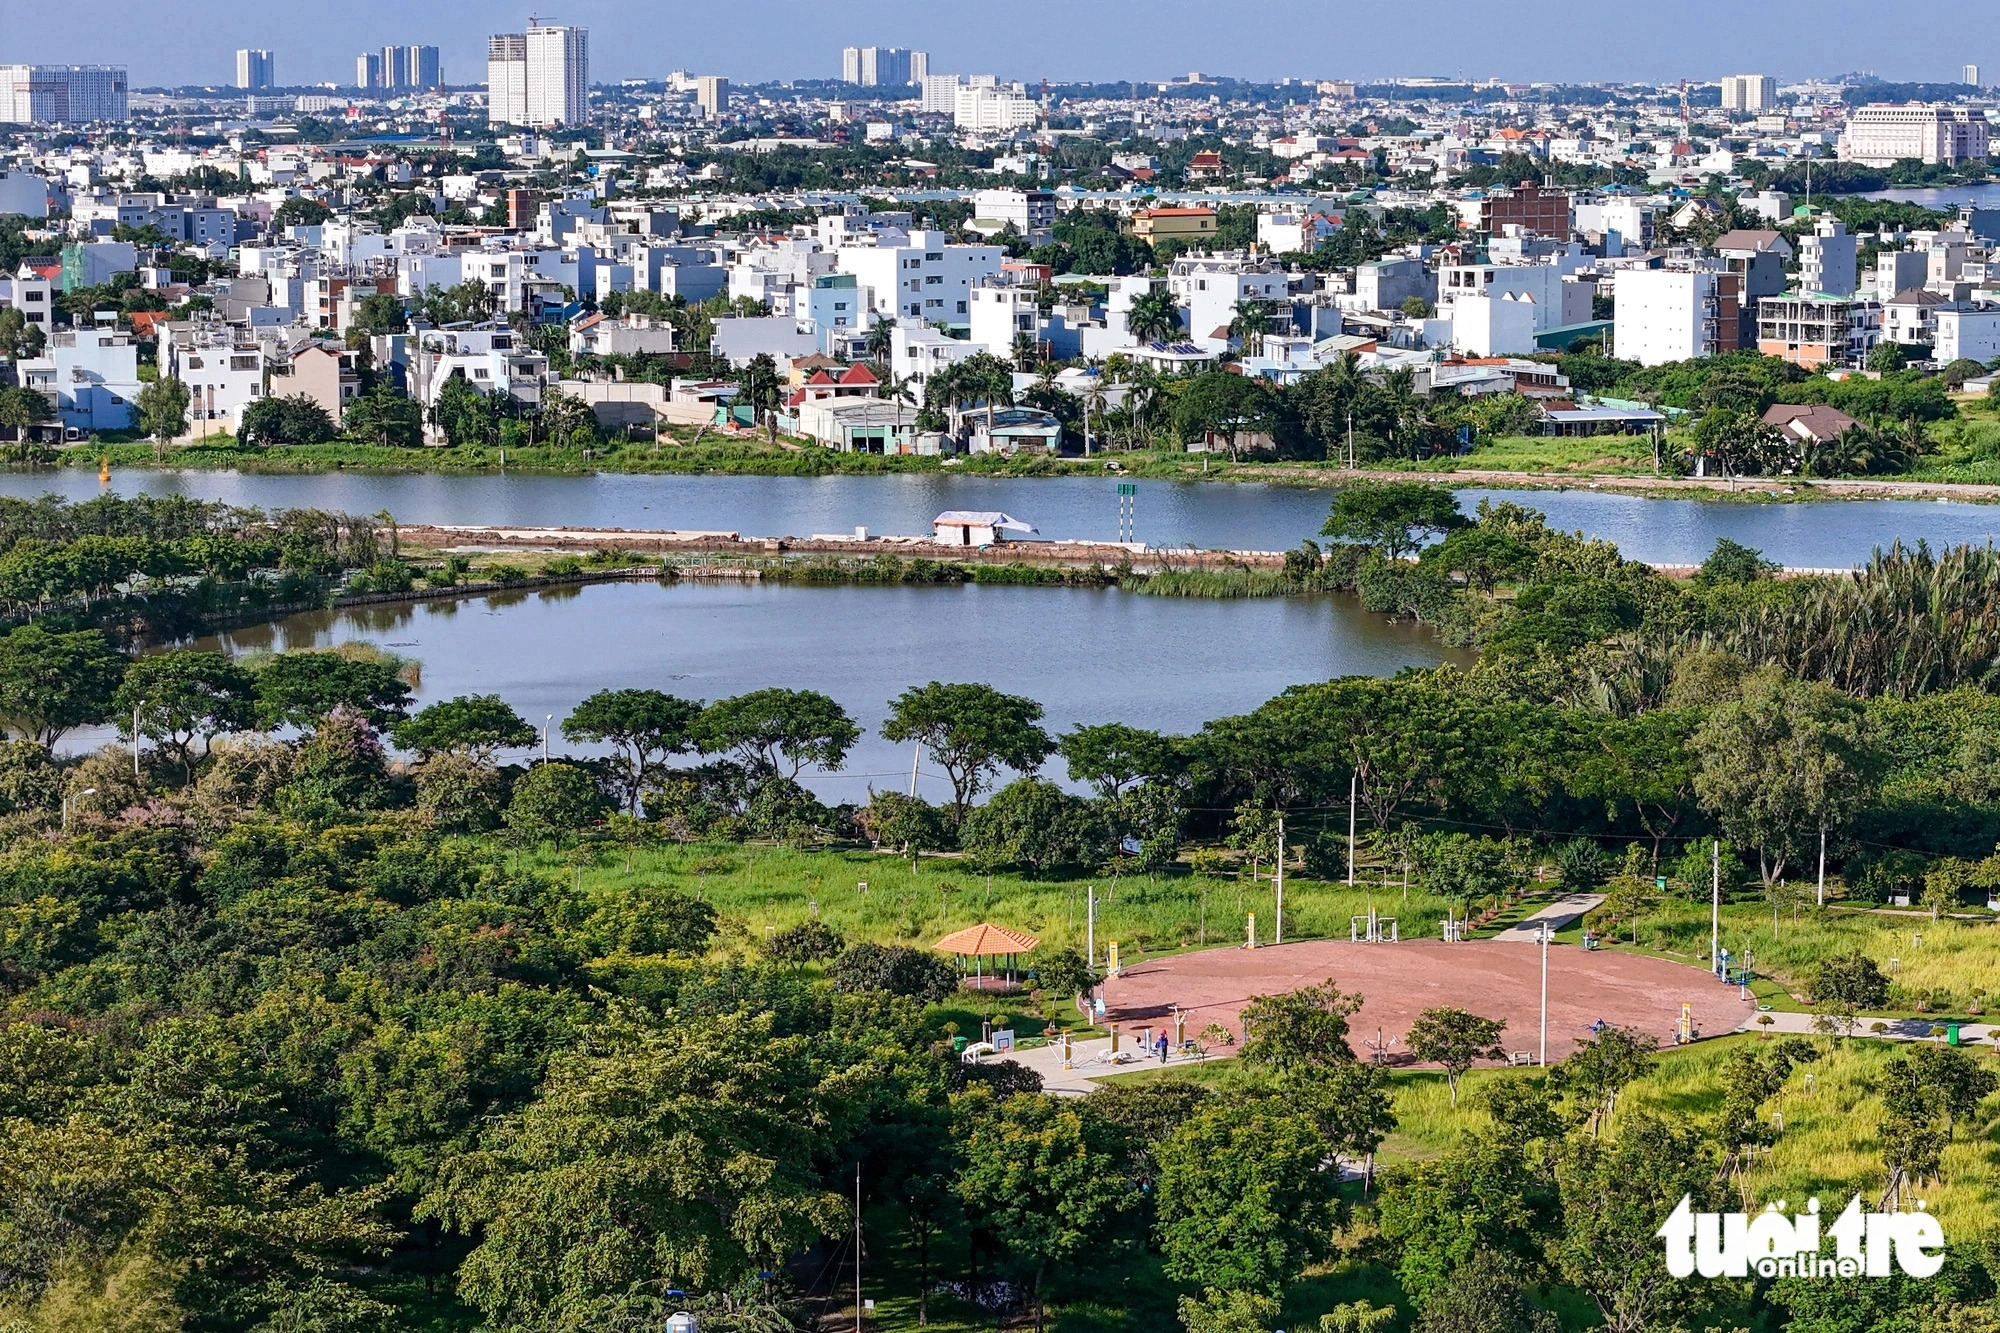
x: 62, y: 94
x: 1967, y: 334
x: 992, y: 108
x: 940, y: 94
x: 1496, y: 325
x: 1881, y: 136
x: 254, y: 69
x: 1749, y: 92
x: 1031, y: 213
x: 223, y: 372
x: 24, y: 195
x: 91, y: 375
x: 1663, y: 315
x: 1827, y: 260
x: 925, y: 279
x: 507, y: 79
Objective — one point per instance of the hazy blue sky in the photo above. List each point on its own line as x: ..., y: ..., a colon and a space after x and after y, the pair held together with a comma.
x: 754, y: 40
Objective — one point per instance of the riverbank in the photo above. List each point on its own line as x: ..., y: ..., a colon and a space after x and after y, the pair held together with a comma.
x: 1600, y: 464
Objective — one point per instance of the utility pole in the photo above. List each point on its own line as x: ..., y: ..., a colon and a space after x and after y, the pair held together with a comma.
x: 1090, y: 927
x: 1353, y: 786
x: 857, y: 1247
x: 135, y: 736
x: 546, y: 721
x: 1715, y: 906
x: 1822, y: 867
x: 1544, y: 1057
x: 915, y: 759
x: 1280, y: 938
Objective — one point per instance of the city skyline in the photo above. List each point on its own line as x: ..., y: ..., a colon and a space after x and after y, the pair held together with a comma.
x: 1108, y: 42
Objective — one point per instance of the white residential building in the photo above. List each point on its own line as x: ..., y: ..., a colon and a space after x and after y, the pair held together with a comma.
x: 1001, y: 314
x: 926, y: 279
x: 991, y: 108
x: 1881, y: 136
x: 1556, y: 303
x: 1663, y: 315
x: 1501, y: 324
x: 1031, y: 213
x: 1211, y: 288
x: 1972, y: 334
x: 507, y: 79
x: 917, y: 353
x: 222, y: 369
x: 254, y: 69
x: 1827, y: 260
x: 1749, y: 92
x: 91, y: 375
x: 62, y: 94
x: 940, y: 94
x: 24, y: 195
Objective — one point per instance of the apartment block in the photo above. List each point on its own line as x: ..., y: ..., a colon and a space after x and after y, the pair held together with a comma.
x: 1663, y: 315
x: 540, y: 78
x: 62, y: 94
x: 1749, y: 92
x: 255, y: 69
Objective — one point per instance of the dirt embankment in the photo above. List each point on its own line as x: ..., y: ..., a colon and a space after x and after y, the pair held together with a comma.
x: 691, y: 543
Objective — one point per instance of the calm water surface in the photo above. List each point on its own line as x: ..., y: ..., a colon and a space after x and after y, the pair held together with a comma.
x: 1086, y: 655
x: 1241, y: 516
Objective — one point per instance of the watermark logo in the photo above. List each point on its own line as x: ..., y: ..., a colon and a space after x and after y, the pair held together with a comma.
x: 1772, y: 1244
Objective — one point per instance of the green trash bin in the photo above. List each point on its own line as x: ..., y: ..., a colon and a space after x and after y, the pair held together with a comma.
x: 958, y: 1046
x: 1951, y: 1034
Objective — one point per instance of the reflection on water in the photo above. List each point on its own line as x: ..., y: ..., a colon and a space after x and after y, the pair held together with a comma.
x: 1088, y: 655
x: 1210, y: 515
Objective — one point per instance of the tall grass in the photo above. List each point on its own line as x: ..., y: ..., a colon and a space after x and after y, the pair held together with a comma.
x: 1213, y: 583
x: 1916, y: 952
x: 776, y: 887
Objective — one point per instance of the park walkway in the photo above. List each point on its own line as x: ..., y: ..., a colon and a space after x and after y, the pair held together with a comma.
x: 1092, y: 1060
x: 1557, y: 915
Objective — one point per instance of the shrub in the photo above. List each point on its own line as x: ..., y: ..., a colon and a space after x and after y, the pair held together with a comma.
x: 808, y: 942
x: 1851, y: 979
x: 897, y: 969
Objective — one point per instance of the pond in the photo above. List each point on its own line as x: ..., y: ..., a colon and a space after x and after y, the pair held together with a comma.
x: 1096, y: 655
x: 1239, y: 516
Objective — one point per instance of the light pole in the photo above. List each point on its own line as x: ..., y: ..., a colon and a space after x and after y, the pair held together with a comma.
x: 1353, y: 789
x: 546, y: 720
x: 1280, y: 935
x: 135, y: 736
x: 1544, y: 1057
x: 87, y: 791
x: 1715, y: 906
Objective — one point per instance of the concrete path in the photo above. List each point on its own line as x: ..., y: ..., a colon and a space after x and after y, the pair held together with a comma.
x: 1092, y: 1060
x: 1557, y: 915
x: 1896, y: 1029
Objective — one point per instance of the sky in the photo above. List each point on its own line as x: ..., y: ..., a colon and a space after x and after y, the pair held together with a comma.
x: 750, y: 41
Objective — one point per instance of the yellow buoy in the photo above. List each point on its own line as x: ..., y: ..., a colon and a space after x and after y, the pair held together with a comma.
x: 104, y: 468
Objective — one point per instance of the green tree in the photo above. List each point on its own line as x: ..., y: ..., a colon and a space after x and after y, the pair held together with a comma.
x: 1112, y: 756
x: 162, y: 408
x: 1593, y: 1074
x: 463, y: 414
x: 1482, y: 556
x: 1154, y: 317
x: 1396, y: 517
x: 183, y: 696
x: 971, y: 732
x: 554, y: 802
x: 1615, y: 1193
x: 1483, y: 1297
x: 909, y: 824
x: 1226, y: 404
x: 1064, y: 974
x: 1227, y: 1312
x: 51, y: 684
x: 780, y: 731
x: 684, y: 1152
x: 1850, y: 978
x: 1245, y: 1201
x: 385, y: 418
x: 297, y: 689
x: 1439, y: 1216
x: 1034, y: 824
x: 644, y: 725
x: 1300, y: 1031
x: 1780, y: 765
x: 1454, y: 1038
x: 474, y: 724
x: 1044, y: 1177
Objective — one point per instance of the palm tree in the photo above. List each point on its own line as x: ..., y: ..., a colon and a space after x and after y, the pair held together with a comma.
x: 881, y: 339
x: 1093, y: 397
x: 1252, y: 322
x: 1026, y: 351
x: 1154, y: 317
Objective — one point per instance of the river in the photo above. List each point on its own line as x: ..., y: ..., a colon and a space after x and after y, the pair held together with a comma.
x: 1239, y: 516
x: 1096, y: 655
